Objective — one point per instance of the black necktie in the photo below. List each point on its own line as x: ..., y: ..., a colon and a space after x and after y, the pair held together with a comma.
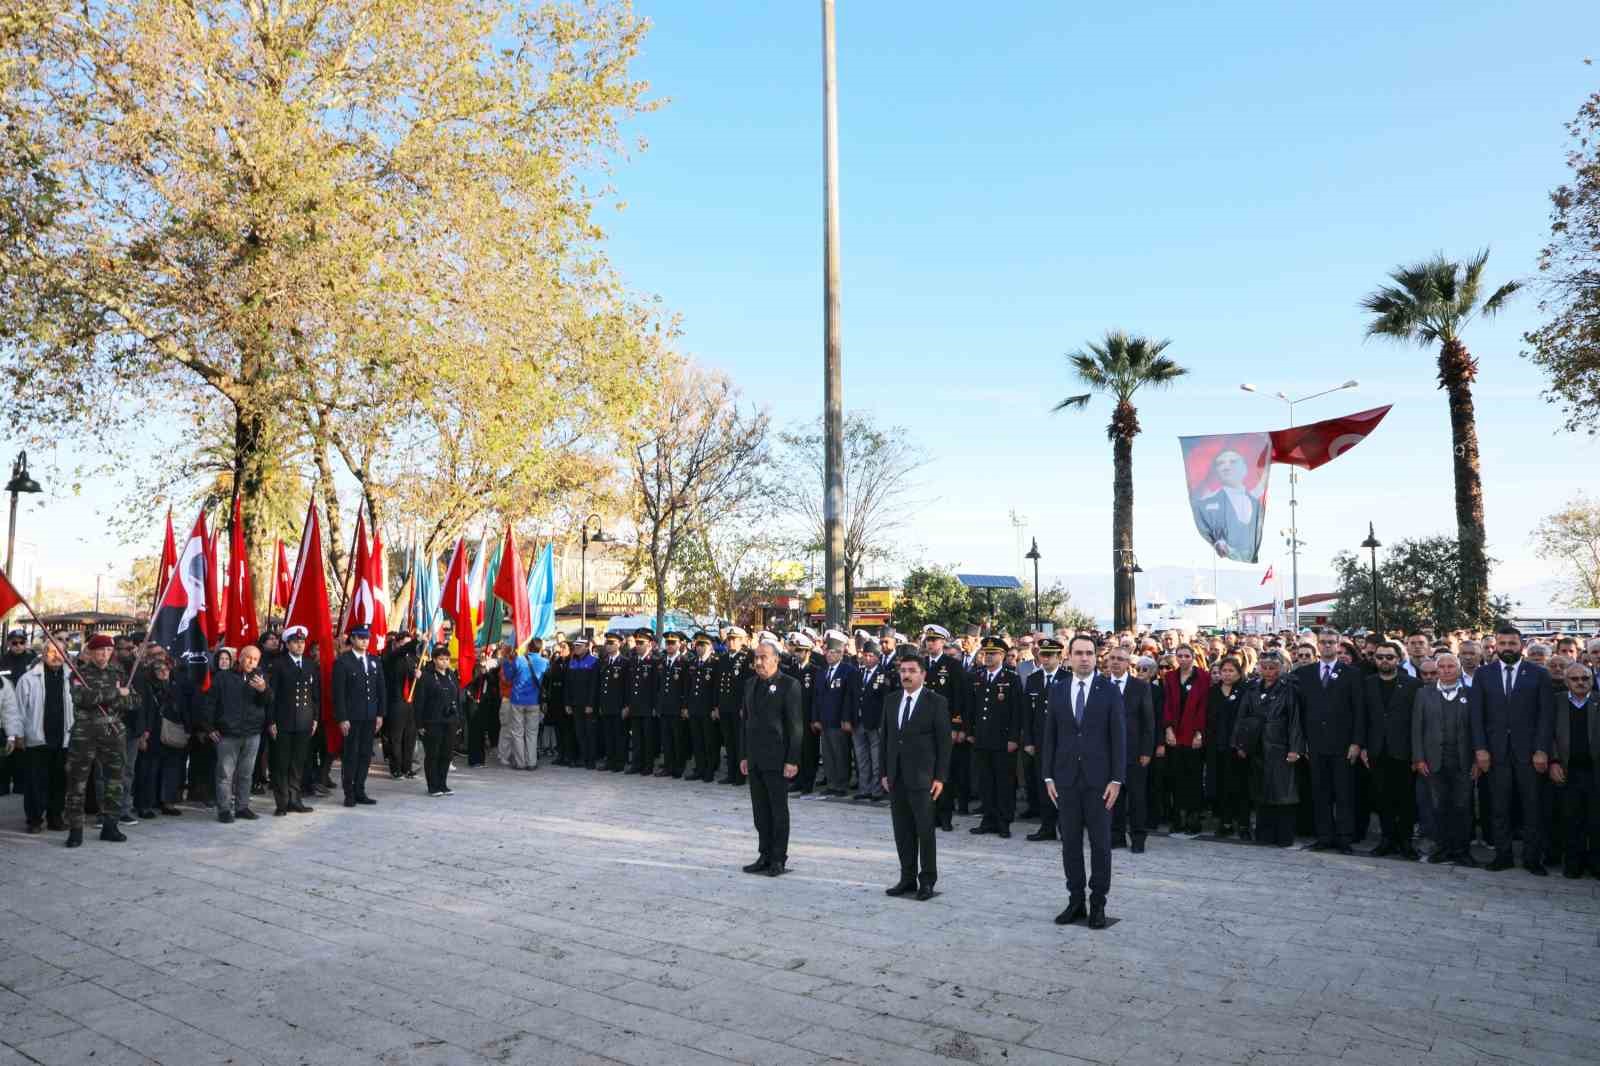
x: 1077, y: 704
x: 905, y: 712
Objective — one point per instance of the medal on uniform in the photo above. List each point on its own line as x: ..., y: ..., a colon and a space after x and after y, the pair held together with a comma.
x: 772, y: 688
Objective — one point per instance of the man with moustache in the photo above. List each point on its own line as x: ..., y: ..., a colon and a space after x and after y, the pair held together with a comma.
x: 1035, y: 689
x: 1390, y: 700
x: 1512, y: 709
x: 773, y: 724
x: 917, y: 741
x: 1138, y: 703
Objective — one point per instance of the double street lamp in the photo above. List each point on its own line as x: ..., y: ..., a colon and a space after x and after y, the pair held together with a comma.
x: 1033, y: 553
x: 1294, y: 503
x: 584, y: 540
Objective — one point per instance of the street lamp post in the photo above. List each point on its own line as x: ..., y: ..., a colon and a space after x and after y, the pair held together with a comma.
x: 1372, y: 544
x: 1294, y: 503
x: 832, y: 387
x: 1033, y: 553
x: 584, y: 540
x: 20, y: 482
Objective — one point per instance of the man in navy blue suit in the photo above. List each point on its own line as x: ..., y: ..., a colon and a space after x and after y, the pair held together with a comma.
x: 1512, y: 727
x: 1084, y: 755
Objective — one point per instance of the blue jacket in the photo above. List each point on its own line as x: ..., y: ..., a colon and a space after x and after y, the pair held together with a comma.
x: 526, y: 674
x: 834, y: 703
x: 1090, y: 755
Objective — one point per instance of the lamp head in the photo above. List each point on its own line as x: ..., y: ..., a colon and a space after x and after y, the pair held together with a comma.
x: 20, y: 481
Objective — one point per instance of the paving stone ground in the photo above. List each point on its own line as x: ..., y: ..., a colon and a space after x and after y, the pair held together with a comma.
x: 566, y: 916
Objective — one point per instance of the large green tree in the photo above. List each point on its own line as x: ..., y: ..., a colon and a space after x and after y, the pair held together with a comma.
x: 1419, y: 586
x: 321, y: 213
x: 1570, y: 538
x: 1567, y: 346
x: 1120, y: 366
x: 1429, y: 303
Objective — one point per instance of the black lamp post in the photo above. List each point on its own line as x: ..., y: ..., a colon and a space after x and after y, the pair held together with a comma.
x: 1033, y: 553
x: 1372, y: 545
x: 585, y: 540
x: 20, y: 482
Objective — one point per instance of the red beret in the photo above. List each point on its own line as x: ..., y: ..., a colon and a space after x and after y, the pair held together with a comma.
x: 101, y: 640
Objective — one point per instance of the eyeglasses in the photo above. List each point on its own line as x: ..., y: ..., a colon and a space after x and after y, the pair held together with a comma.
x: 1388, y: 658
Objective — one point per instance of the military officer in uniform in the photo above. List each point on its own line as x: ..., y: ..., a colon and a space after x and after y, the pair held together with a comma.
x: 700, y: 698
x: 945, y: 676
x: 611, y: 684
x: 996, y: 711
x: 804, y: 669
x: 100, y: 697
x: 1048, y: 652
x: 733, y: 668
x: 639, y: 705
x: 359, y: 700
x: 296, y: 713
x: 672, y: 713
x: 877, y: 684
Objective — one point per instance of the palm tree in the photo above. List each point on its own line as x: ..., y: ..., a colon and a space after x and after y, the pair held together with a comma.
x: 1429, y: 303
x: 1119, y: 367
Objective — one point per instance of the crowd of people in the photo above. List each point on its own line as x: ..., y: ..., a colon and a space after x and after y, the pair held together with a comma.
x: 1452, y: 738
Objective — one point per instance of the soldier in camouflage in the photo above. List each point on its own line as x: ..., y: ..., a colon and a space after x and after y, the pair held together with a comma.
x: 100, y: 696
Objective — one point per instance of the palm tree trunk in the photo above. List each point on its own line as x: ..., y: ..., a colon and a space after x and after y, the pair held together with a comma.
x: 1123, y: 613
x: 1454, y: 364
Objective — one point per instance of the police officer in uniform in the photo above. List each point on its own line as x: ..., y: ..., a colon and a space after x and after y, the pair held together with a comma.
x: 610, y: 693
x: 671, y: 711
x: 100, y: 697
x: 804, y: 669
x: 700, y: 699
x: 639, y: 705
x: 996, y: 712
x: 296, y: 710
x: 945, y: 676
x: 359, y: 700
x: 733, y: 669
x: 1036, y: 688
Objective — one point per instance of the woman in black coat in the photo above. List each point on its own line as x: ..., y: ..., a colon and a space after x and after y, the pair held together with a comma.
x: 1225, y: 770
x: 1269, y: 734
x: 436, y: 702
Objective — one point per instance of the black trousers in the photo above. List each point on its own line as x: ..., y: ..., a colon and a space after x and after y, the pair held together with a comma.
x: 911, y: 810
x: 956, y: 789
x: 588, y: 730
x: 436, y: 757
x: 1033, y: 787
x: 400, y: 733
x: 1159, y: 773
x: 997, y: 786
x: 1332, y: 798
x: 674, y: 744
x: 1396, y: 794
x: 1451, y: 790
x: 41, y: 776
x: 1365, y: 798
x: 567, y: 736
x: 1516, y: 775
x: 769, y: 803
x: 1083, y: 812
x: 614, y: 738
x: 1275, y: 825
x: 1129, y: 817
x: 1580, y: 805
x: 356, y: 758
x: 705, y: 736
x: 810, y: 756
x: 288, y: 766
x: 729, y: 723
x: 1189, y: 769
x: 1231, y: 791
x: 645, y: 732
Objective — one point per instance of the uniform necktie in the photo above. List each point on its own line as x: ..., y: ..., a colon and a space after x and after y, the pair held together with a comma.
x: 1327, y: 671
x: 1077, y: 702
x: 1507, y: 675
x: 905, y: 711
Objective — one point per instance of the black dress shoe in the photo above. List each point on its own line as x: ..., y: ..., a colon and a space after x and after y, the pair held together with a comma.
x: 1321, y: 845
x: 1464, y: 858
x: 794, y: 790
x: 225, y: 816
x: 1118, y: 842
x: 246, y: 814
x: 757, y: 867
x: 366, y: 801
x: 1500, y: 864
x: 776, y: 869
x: 301, y: 808
x: 110, y: 831
x: 1573, y: 872
x: 170, y: 810
x: 925, y: 893
x: 979, y: 830
x: 1535, y: 868
x: 947, y: 825
x: 1097, y: 916
x: 904, y: 888
x: 1383, y: 848
x: 54, y: 823
x: 1042, y: 834
x: 279, y: 812
x: 1075, y: 912
x: 35, y: 828
x: 349, y: 801
x: 1438, y: 856
x: 1138, y: 846
x: 75, y: 838
x: 1345, y: 849
x: 1004, y: 832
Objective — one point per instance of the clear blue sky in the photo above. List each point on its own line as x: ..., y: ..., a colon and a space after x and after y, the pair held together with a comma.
x: 1017, y: 178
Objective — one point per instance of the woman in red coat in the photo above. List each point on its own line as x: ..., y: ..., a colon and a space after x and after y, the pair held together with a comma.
x: 1184, y: 693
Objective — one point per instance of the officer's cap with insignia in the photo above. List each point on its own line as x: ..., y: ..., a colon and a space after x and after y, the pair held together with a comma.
x: 996, y: 643
x: 644, y: 633
x: 673, y: 634
x: 295, y: 633
x: 1050, y: 644
x: 935, y: 631
x: 801, y: 640
x: 870, y: 647
x: 360, y: 631
x: 580, y: 639
x: 734, y: 631
x: 770, y: 639
x: 703, y: 637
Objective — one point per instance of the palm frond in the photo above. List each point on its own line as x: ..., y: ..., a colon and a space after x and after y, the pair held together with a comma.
x: 1072, y: 402
x: 1493, y: 304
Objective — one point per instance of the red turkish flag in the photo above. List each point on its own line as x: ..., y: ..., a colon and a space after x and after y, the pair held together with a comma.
x: 1322, y: 442
x: 169, y: 560
x: 455, y: 600
x: 214, y: 615
x: 511, y: 586
x: 378, y: 579
x: 241, y: 606
x: 281, y: 579
x: 308, y: 606
x: 1266, y: 576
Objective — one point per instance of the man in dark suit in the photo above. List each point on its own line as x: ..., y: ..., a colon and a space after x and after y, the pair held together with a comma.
x: 916, y: 753
x: 1035, y: 688
x: 642, y: 668
x: 1138, y: 703
x: 1389, y: 702
x: 1512, y: 727
x: 1084, y: 752
x: 358, y: 705
x: 1331, y: 705
x: 773, y: 724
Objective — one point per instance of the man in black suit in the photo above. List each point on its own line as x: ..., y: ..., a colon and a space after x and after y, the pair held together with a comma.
x: 1084, y: 752
x: 1512, y: 710
x: 916, y: 753
x: 1331, y: 703
x: 1390, y: 699
x: 773, y: 724
x: 358, y: 705
x: 296, y: 712
x: 1138, y: 703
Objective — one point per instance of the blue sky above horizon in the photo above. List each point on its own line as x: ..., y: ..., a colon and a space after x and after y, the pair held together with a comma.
x: 1017, y: 179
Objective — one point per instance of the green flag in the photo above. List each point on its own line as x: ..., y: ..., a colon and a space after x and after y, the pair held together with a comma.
x: 494, y: 612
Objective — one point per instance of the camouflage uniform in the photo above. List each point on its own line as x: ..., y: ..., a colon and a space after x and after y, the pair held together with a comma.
x: 98, y: 735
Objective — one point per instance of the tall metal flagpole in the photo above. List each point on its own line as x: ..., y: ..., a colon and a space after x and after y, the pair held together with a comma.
x: 832, y: 389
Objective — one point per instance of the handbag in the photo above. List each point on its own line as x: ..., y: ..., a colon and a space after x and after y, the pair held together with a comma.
x: 173, y: 735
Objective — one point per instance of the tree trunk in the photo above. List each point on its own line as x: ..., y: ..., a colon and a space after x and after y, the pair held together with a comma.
x: 1123, y: 612
x: 661, y: 599
x: 249, y: 476
x: 331, y: 520
x: 849, y: 594
x: 1453, y: 363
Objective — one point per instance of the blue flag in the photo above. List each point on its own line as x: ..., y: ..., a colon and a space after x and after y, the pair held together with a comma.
x: 542, y: 594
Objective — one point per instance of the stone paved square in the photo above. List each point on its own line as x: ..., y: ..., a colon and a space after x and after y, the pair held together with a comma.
x: 577, y: 917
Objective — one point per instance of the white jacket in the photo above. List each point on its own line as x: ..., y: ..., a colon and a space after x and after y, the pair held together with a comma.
x: 24, y: 708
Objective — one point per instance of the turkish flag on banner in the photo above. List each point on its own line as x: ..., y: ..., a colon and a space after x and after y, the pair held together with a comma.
x: 1266, y: 576
x: 1322, y: 442
x: 241, y: 606
x: 456, y: 601
x: 281, y: 579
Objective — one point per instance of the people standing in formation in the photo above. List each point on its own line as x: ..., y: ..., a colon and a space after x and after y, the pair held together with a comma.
x: 1452, y: 739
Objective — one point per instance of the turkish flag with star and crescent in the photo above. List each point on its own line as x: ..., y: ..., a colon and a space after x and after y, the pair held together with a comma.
x: 1322, y: 442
